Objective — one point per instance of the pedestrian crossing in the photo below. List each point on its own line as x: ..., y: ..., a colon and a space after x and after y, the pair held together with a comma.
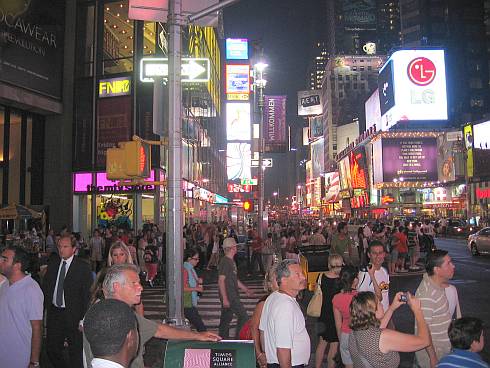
x: 209, y: 304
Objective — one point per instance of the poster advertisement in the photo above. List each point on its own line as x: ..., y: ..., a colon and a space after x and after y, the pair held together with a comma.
x: 238, y: 161
x: 373, y: 111
x: 274, y: 127
x: 358, y: 168
x: 345, y: 178
x: 317, y: 158
x: 32, y: 36
x: 316, y: 126
x: 309, y: 102
x: 449, y: 158
x: 332, y: 186
x: 113, y: 125
x: 237, y: 79
x: 409, y: 159
x: 238, y: 121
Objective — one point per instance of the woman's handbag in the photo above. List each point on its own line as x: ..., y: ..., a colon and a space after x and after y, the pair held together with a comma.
x: 315, y: 305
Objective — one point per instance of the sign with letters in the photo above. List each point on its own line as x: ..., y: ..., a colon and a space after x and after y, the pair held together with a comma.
x: 309, y: 102
x: 115, y: 87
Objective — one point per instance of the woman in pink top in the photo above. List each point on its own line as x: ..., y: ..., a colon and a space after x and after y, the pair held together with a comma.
x: 341, y: 312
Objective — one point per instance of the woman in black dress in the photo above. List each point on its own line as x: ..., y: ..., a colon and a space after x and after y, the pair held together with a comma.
x: 327, y: 334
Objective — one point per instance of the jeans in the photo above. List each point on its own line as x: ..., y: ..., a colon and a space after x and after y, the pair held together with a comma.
x: 256, y: 257
x: 192, y: 314
x: 236, y: 308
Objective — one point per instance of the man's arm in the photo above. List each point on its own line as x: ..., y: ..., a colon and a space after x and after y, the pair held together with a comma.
x: 222, y: 291
x: 245, y: 289
x: 36, y: 340
x: 171, y: 333
x: 284, y: 357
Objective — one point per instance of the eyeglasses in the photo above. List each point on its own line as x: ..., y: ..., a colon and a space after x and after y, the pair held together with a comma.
x: 195, y: 258
x: 336, y: 266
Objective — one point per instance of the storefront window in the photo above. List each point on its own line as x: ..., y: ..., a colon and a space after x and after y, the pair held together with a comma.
x: 15, y: 150
x: 118, y: 38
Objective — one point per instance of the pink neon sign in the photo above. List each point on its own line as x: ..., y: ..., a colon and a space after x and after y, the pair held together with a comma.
x: 82, y: 183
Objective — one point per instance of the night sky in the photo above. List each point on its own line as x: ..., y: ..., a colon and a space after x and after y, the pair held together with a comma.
x: 288, y: 29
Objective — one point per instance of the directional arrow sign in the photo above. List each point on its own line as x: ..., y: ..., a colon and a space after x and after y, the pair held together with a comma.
x: 193, y: 69
x: 266, y: 162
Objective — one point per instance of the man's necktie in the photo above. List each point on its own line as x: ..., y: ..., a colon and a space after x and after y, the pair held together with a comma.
x: 61, y: 281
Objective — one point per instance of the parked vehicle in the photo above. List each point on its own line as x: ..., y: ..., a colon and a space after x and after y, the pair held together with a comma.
x: 459, y: 227
x: 479, y: 242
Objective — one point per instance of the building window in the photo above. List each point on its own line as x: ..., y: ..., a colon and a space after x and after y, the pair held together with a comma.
x: 347, y: 77
x: 339, y: 77
x: 118, y: 38
x: 476, y: 83
x: 85, y: 41
x: 341, y: 94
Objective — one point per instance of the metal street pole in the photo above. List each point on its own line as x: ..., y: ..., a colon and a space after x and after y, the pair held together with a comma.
x: 260, y: 178
x: 175, y: 239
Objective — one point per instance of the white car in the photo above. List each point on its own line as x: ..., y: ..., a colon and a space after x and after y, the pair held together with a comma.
x: 479, y: 242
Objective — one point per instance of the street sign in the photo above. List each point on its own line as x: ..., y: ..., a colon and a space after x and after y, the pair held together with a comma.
x: 249, y: 182
x: 193, y: 69
x: 266, y: 162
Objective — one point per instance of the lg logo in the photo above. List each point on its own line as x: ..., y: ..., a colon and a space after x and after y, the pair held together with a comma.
x: 421, y: 71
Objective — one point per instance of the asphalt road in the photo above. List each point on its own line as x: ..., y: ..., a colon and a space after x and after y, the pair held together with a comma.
x: 471, y: 279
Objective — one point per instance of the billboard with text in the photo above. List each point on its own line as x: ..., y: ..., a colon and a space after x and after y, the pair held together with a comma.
x: 274, y: 127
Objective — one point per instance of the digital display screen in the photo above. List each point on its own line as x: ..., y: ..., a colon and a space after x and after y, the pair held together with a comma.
x: 236, y: 48
x: 238, y: 121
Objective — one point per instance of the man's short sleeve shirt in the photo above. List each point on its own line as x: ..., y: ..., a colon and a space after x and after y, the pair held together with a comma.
x: 227, y: 268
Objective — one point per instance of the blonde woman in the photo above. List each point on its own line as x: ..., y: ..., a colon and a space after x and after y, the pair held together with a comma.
x: 327, y: 336
x: 118, y: 254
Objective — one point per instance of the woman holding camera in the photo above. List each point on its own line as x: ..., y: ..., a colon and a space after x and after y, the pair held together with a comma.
x: 371, y: 345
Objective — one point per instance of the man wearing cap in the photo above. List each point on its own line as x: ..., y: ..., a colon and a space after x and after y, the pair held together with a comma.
x: 228, y: 291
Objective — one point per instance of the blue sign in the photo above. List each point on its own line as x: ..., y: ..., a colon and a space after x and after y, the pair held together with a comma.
x: 221, y: 199
x: 236, y: 48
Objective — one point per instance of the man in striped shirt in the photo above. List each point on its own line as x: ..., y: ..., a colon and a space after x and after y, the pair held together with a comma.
x: 466, y: 335
x: 435, y: 307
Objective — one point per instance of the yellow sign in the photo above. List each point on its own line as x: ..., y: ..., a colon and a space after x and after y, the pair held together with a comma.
x: 237, y: 96
x: 468, y: 142
x: 115, y: 87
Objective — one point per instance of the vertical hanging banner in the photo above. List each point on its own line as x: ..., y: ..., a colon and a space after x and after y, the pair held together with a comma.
x: 274, y: 127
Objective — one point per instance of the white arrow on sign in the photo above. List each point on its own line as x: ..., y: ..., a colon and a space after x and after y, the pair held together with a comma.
x: 266, y: 162
x: 193, y: 69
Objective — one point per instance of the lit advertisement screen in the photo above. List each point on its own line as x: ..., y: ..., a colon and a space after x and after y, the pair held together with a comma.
x: 238, y: 121
x: 332, y: 186
x: 237, y: 79
x: 481, y: 135
x: 481, y: 149
x: 345, y: 178
x: 358, y: 168
x: 236, y: 48
x: 419, y: 86
x: 238, y: 161
x: 373, y: 111
x: 409, y: 159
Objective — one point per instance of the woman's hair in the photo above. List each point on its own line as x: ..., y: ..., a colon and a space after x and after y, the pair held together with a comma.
x: 189, y: 253
x: 334, y: 259
x: 269, y: 279
x: 347, y: 276
x: 119, y: 245
x: 363, y: 311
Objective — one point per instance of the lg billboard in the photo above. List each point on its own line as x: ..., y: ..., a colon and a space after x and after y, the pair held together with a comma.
x: 417, y: 80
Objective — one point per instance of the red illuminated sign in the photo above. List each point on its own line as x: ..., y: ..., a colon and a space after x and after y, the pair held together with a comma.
x: 482, y: 193
x: 387, y: 199
x: 358, y: 169
x: 142, y: 158
x: 237, y: 188
x: 421, y: 71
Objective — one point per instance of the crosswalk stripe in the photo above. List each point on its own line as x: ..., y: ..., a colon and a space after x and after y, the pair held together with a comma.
x: 209, y: 305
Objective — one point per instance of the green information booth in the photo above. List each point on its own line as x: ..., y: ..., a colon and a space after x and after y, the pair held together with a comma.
x: 223, y: 354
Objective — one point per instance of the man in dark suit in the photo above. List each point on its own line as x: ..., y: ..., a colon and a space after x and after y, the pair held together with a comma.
x: 66, y: 297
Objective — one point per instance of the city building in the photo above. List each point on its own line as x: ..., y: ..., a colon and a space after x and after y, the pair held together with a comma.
x: 348, y: 82
x: 317, y: 66
x: 459, y: 28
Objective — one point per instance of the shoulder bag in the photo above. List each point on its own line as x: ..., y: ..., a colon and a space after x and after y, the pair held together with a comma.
x: 315, y: 305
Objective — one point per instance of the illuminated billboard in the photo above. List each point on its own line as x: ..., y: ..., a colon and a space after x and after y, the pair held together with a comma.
x: 409, y: 159
x: 481, y: 135
x: 238, y: 121
x: 412, y: 86
x: 332, y: 186
x: 309, y: 102
x: 481, y: 149
x: 237, y: 81
x: 358, y: 168
x: 317, y: 158
x: 236, y: 48
x: 238, y: 161
x: 344, y: 171
x: 373, y: 111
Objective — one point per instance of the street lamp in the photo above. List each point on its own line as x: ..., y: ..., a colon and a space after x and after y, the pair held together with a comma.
x: 259, y: 84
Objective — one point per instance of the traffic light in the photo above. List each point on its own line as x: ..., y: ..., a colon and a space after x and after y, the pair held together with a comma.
x: 130, y: 160
x: 248, y: 205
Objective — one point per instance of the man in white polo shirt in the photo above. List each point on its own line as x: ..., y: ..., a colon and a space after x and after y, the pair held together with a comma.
x: 282, y: 323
